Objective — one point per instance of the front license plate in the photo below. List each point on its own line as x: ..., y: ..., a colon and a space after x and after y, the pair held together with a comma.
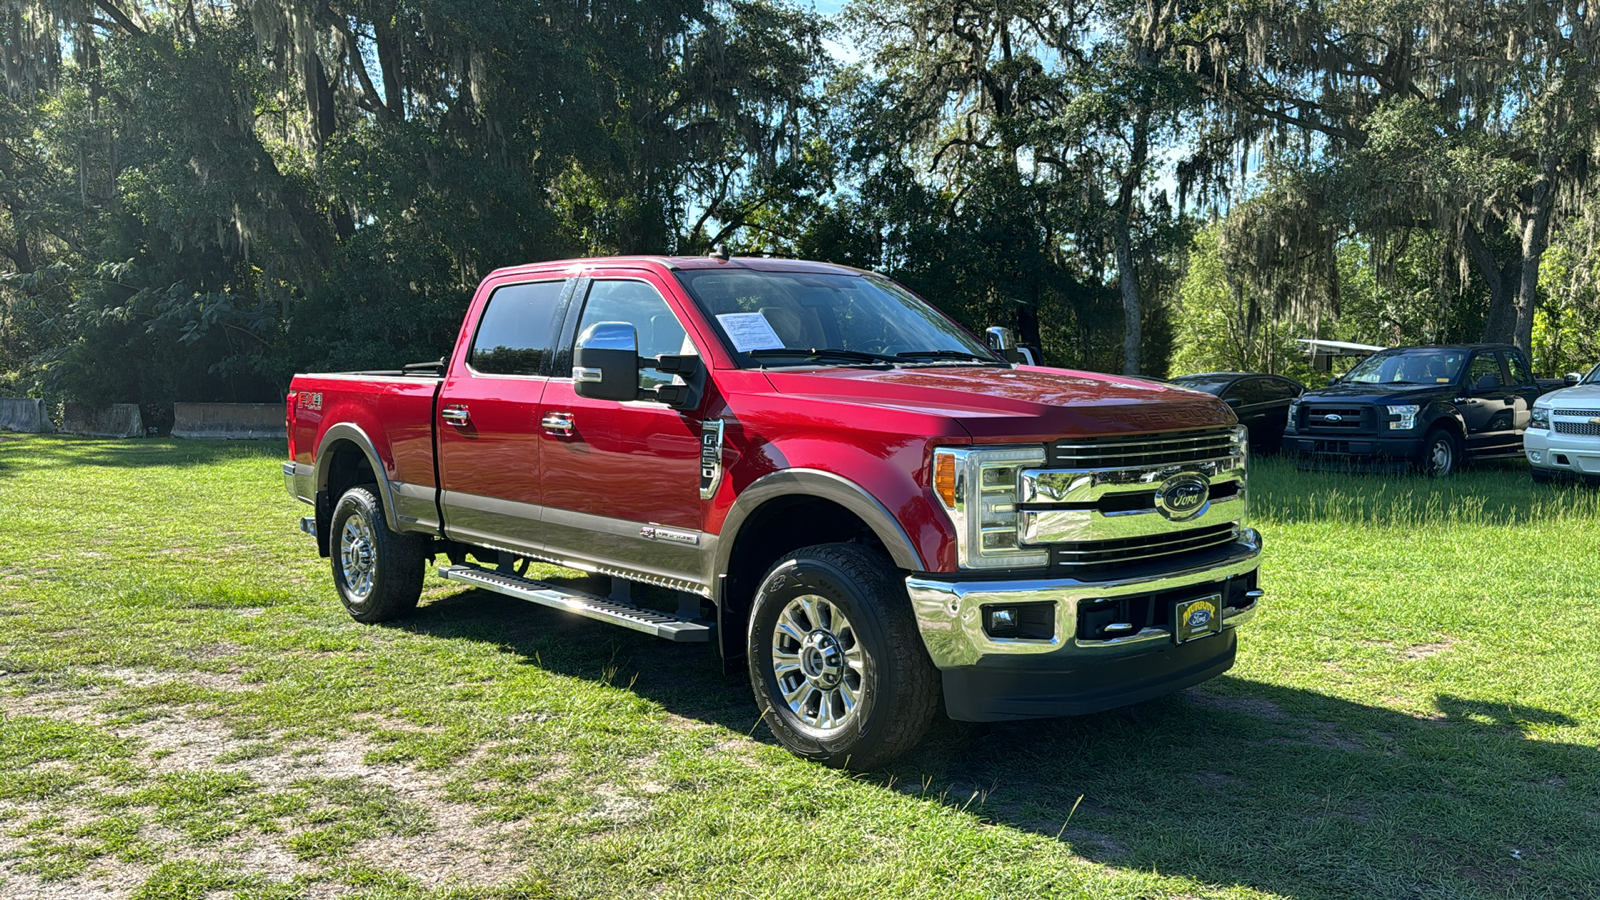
x: 1197, y: 618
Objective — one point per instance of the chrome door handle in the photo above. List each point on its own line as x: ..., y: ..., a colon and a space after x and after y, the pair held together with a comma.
x: 557, y: 423
x: 455, y: 415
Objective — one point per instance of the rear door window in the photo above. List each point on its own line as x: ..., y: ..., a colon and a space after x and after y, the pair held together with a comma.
x: 1520, y: 372
x: 517, y: 331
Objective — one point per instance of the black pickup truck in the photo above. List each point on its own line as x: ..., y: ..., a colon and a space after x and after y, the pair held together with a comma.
x: 1429, y: 407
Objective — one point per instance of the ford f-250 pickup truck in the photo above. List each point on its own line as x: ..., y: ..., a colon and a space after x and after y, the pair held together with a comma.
x: 862, y: 504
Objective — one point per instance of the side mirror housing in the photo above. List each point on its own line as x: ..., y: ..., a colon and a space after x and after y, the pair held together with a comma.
x: 1571, y: 378
x: 1001, y: 341
x: 684, y: 396
x: 605, y: 363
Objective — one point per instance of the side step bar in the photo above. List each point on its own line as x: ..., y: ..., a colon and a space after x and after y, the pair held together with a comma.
x: 649, y: 621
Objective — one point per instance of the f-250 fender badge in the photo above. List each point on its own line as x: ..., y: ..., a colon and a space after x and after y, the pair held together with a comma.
x: 657, y: 533
x: 710, y: 457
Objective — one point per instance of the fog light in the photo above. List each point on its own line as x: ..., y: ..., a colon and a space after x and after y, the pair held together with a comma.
x: 1536, y: 456
x: 1002, y: 620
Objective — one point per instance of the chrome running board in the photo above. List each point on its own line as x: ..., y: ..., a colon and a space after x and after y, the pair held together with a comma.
x: 590, y: 606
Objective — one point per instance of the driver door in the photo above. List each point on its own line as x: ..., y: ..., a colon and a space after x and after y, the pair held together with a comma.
x: 1491, y: 404
x: 621, y: 480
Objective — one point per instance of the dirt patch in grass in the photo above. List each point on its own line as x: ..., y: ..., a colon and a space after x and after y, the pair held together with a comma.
x: 1254, y: 706
x: 1423, y: 651
x: 450, y: 847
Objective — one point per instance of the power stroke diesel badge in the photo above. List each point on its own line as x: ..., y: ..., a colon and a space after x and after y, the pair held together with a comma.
x: 1183, y: 496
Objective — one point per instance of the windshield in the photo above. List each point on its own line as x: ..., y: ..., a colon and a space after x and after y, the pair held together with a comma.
x: 1594, y: 375
x: 1419, y: 366
x: 802, y: 318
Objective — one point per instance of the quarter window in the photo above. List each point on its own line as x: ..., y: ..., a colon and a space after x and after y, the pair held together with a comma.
x: 517, y: 329
x: 1520, y: 373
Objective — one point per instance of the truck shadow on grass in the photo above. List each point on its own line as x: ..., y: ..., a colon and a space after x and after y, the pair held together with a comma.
x: 1235, y: 782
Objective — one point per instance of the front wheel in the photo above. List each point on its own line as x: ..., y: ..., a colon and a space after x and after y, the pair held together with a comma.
x: 1441, y: 453
x: 377, y: 572
x: 838, y: 667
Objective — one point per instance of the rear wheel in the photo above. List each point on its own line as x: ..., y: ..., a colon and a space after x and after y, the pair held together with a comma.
x: 837, y: 665
x: 1441, y: 453
x: 377, y: 572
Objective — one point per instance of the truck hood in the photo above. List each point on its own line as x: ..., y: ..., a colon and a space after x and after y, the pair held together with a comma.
x: 1586, y: 396
x: 1027, y: 403
x: 1377, y: 393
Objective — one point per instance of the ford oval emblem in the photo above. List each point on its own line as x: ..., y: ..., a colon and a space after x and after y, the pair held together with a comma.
x: 1333, y: 417
x: 1183, y: 496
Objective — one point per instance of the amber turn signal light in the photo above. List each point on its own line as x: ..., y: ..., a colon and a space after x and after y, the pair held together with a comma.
x: 944, y: 479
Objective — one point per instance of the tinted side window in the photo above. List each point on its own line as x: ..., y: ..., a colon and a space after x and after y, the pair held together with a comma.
x: 517, y: 329
x: 1280, y: 390
x: 1245, y: 391
x: 1484, y: 364
x: 643, y: 307
x: 1520, y: 372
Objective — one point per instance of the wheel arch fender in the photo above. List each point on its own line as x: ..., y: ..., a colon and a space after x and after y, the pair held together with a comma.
x: 1440, y: 414
x: 827, y: 486
x: 328, y: 444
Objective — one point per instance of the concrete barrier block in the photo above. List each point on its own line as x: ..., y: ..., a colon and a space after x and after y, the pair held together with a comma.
x: 26, y: 416
x: 119, y: 420
x: 228, y: 421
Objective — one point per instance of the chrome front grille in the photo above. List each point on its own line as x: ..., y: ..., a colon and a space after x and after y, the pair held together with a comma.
x: 1087, y: 556
x: 1579, y: 428
x: 1577, y: 413
x: 1102, y: 505
x: 1142, y: 451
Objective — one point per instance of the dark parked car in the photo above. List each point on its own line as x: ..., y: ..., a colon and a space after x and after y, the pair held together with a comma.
x: 1260, y: 401
x: 1428, y: 406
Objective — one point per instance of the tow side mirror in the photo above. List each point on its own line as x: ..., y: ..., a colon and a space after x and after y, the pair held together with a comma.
x: 684, y: 396
x: 1001, y: 341
x: 1570, y: 379
x: 605, y: 365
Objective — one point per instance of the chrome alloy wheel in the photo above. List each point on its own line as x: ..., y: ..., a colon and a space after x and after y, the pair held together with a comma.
x: 358, y: 559
x: 818, y: 662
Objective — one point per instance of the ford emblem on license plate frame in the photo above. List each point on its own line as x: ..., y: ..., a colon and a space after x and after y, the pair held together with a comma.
x: 1197, y: 618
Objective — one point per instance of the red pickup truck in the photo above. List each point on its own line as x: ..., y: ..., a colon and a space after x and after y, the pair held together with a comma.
x: 860, y: 502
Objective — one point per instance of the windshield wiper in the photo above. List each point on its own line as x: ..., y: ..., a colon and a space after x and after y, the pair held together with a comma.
x: 950, y: 354
x: 834, y: 353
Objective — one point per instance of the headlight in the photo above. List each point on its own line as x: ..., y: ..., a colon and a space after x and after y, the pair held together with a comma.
x: 1541, y: 417
x: 1294, y: 414
x: 1407, y: 416
x: 978, y: 490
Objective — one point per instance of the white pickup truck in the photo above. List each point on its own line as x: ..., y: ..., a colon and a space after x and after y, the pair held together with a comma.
x: 1564, y: 431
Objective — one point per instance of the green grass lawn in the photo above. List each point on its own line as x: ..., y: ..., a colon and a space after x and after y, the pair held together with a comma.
x: 186, y: 711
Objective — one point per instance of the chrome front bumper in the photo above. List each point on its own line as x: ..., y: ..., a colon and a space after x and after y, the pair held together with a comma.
x: 950, y: 613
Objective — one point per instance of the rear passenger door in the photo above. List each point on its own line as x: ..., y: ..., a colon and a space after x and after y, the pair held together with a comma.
x: 488, y: 407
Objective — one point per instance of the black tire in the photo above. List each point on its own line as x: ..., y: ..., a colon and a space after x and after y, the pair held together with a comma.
x: 377, y: 572
x: 864, y: 640
x: 1539, y: 475
x: 1441, y: 453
